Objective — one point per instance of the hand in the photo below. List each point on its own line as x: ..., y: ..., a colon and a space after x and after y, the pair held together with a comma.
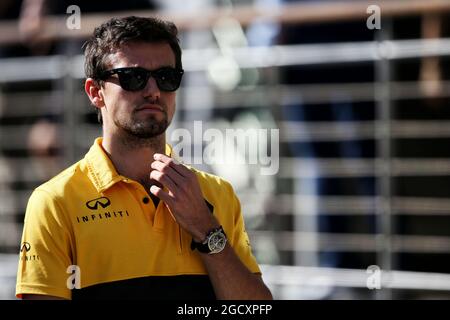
x: 31, y: 26
x: 183, y: 198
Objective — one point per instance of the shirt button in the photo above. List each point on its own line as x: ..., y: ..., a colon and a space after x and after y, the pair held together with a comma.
x: 145, y: 200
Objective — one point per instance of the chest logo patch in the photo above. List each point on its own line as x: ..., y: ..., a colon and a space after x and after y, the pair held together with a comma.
x: 95, y: 203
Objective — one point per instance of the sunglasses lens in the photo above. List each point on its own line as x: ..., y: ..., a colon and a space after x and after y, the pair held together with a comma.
x: 133, y: 79
x: 168, y: 79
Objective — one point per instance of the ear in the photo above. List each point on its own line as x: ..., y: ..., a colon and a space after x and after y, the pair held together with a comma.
x: 94, y: 92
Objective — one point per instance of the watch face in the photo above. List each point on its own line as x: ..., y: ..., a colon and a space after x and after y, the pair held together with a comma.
x: 217, y: 242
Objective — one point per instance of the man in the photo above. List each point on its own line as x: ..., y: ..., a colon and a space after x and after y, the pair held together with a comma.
x: 128, y: 221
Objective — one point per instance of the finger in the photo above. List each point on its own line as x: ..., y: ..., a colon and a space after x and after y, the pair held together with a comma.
x: 170, y: 161
x: 161, y: 194
x: 163, y: 158
x: 167, y: 169
x: 164, y: 179
x: 166, y: 158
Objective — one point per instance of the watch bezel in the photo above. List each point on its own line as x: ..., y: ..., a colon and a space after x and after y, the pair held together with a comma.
x: 214, y: 242
x: 216, y: 246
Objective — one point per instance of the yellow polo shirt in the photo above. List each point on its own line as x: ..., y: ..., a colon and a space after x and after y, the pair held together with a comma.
x: 92, y: 233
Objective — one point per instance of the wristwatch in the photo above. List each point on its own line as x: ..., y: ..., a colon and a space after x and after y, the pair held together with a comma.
x: 214, y: 243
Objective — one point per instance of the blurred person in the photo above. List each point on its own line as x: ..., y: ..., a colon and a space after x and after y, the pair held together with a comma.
x: 430, y: 69
x: 42, y: 139
x: 9, y: 13
x: 42, y: 145
x: 33, y: 14
x: 30, y: 23
x: 129, y: 221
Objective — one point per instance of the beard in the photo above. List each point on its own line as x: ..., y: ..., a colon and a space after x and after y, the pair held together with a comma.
x: 144, y: 127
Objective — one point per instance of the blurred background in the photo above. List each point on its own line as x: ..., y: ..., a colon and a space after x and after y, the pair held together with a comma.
x: 361, y: 197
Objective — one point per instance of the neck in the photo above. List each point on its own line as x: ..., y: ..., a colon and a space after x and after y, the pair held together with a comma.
x: 132, y: 156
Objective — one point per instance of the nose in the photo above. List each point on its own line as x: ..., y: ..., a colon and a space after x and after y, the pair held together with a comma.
x: 151, y: 89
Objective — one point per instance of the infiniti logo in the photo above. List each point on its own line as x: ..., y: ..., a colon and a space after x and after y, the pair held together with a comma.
x: 102, y: 202
x: 25, y: 246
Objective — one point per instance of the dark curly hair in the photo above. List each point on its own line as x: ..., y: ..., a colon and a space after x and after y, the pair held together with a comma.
x: 112, y: 34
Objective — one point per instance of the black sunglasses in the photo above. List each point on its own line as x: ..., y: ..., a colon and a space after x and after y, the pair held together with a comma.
x: 136, y: 78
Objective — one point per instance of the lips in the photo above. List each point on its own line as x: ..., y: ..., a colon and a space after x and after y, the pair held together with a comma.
x: 150, y: 107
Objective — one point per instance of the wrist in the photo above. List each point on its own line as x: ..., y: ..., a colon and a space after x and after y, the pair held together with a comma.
x: 201, y: 234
